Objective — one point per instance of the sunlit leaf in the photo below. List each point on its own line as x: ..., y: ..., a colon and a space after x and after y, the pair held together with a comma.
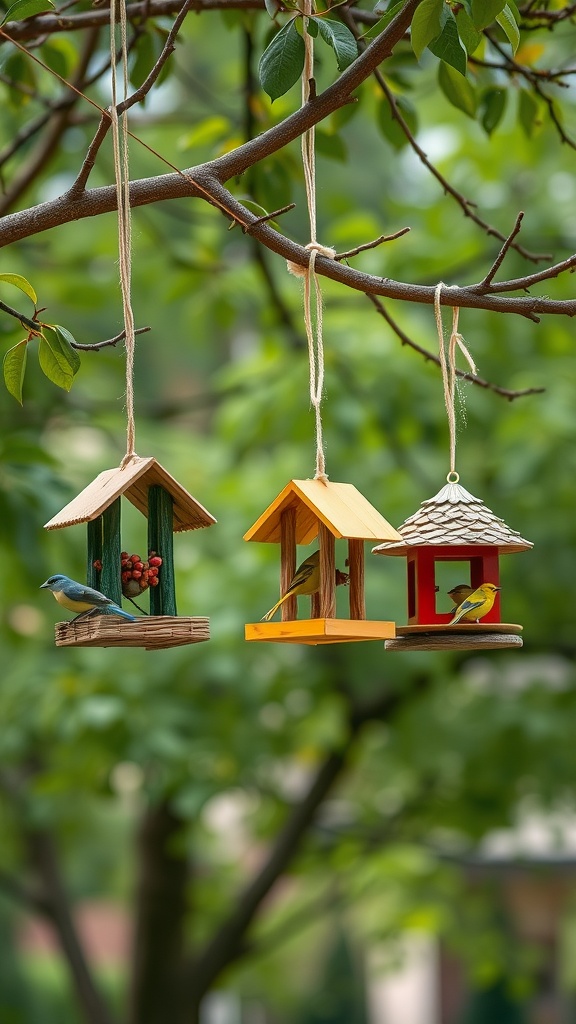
x: 67, y: 340
x: 58, y: 361
x: 27, y: 9
x: 507, y: 23
x: 457, y: 89
x: 20, y: 282
x: 427, y: 24
x: 469, y: 34
x: 282, y: 62
x: 14, y: 366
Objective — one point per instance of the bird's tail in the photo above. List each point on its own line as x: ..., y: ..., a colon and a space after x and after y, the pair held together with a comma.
x: 115, y: 610
x: 274, y: 609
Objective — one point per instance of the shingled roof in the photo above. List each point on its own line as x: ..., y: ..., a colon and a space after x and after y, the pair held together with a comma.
x: 454, y: 517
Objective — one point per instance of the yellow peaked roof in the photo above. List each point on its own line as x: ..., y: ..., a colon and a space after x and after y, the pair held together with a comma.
x: 342, y: 509
x: 133, y: 481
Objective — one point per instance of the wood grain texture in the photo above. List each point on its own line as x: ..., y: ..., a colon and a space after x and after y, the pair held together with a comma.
x: 320, y: 631
x: 327, y: 573
x: 356, y: 571
x: 289, y: 609
x: 453, y: 642
x: 133, y: 482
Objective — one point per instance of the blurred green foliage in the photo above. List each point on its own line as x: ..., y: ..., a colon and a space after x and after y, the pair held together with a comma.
x: 230, y: 731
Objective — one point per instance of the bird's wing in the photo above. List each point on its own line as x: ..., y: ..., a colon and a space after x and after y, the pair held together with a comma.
x: 78, y: 592
x: 466, y: 607
x: 302, y: 574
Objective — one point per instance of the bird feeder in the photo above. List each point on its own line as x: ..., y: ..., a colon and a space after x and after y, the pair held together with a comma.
x: 310, y: 509
x: 169, y: 509
x: 453, y: 526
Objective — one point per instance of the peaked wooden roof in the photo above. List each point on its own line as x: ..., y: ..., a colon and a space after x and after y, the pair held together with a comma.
x: 342, y: 509
x: 133, y: 481
x: 454, y: 516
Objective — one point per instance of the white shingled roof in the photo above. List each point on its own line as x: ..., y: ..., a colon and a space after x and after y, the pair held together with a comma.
x: 451, y: 517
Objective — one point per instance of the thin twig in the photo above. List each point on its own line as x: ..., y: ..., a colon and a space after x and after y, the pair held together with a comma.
x: 247, y: 228
x: 487, y: 281
x: 431, y: 357
x: 371, y: 245
x: 109, y: 341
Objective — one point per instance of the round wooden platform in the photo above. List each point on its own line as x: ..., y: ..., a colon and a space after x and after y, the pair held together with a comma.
x: 465, y: 636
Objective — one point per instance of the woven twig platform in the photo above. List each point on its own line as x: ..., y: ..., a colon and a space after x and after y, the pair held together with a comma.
x: 461, y: 637
x: 152, y: 632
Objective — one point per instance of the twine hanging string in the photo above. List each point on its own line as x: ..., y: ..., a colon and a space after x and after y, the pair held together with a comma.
x: 122, y: 177
x: 313, y: 324
x: 448, y: 367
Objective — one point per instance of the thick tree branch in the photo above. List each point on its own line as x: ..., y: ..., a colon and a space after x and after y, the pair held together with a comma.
x: 228, y: 942
x: 45, y: 860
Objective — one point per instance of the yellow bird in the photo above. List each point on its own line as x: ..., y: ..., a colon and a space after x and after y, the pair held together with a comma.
x: 476, y: 605
x: 459, y: 593
x: 306, y: 580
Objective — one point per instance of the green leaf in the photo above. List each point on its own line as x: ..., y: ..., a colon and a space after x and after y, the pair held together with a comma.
x: 448, y: 46
x: 383, y: 22
x: 427, y: 24
x: 14, y: 368
x: 457, y: 89
x: 67, y: 339
x: 58, y: 361
x: 206, y: 132
x: 484, y: 12
x: 282, y: 62
x: 20, y: 282
x: 27, y: 9
x: 492, y: 106
x: 340, y: 39
x: 507, y: 23
x: 469, y: 34
x: 528, y: 111
x: 389, y: 126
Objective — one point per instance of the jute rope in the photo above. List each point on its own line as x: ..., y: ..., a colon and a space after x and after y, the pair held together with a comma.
x: 448, y: 367
x: 122, y: 177
x: 313, y: 325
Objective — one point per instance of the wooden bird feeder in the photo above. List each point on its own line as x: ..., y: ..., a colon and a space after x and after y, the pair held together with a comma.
x: 310, y: 509
x: 169, y: 509
x: 453, y: 526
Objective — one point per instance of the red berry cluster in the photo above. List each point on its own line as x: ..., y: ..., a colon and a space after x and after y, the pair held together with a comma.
x: 139, y: 574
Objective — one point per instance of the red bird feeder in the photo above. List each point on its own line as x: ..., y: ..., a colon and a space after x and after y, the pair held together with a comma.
x: 453, y: 526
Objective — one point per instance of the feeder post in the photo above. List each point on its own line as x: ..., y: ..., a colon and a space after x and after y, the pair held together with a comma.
x: 356, y: 567
x: 327, y: 573
x: 94, y: 543
x: 160, y: 539
x: 289, y: 609
x: 110, y: 579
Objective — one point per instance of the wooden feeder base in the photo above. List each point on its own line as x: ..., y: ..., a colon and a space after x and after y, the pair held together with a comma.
x: 153, y: 632
x: 320, y: 631
x: 465, y: 636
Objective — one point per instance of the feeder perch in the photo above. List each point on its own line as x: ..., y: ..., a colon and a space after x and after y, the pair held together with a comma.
x: 169, y: 509
x: 310, y: 509
x: 453, y: 526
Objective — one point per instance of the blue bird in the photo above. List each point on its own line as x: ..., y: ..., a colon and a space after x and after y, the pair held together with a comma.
x: 84, y: 600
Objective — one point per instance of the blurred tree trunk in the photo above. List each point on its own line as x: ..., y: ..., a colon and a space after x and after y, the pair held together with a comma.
x: 156, y: 990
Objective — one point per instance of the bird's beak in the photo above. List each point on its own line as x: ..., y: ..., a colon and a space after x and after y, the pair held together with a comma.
x: 42, y: 585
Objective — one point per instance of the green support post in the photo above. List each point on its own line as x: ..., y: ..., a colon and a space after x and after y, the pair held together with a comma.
x: 94, y: 552
x: 161, y: 540
x: 110, y: 579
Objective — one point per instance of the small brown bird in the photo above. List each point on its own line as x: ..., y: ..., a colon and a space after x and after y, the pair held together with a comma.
x: 459, y: 593
x: 476, y: 605
x: 306, y: 580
